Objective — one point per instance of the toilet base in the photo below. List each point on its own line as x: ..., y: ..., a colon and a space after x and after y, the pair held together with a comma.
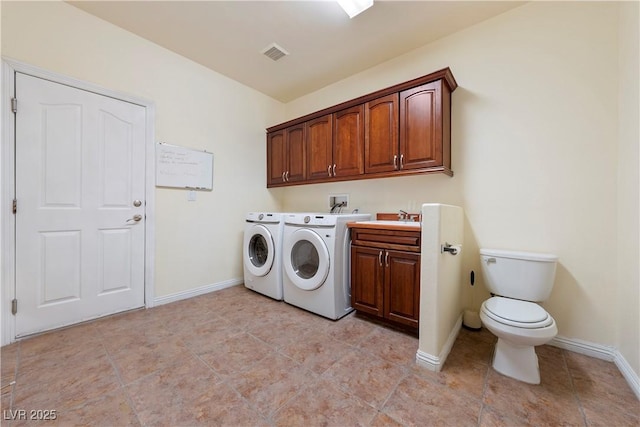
x: 516, y: 361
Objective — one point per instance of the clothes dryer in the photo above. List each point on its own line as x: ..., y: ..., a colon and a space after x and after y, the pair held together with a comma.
x: 262, y: 253
x: 316, y: 262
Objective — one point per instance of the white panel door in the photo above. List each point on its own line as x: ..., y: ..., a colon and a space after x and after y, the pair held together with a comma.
x: 80, y: 170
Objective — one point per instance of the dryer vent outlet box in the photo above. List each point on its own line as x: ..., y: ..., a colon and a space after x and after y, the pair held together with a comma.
x: 335, y: 199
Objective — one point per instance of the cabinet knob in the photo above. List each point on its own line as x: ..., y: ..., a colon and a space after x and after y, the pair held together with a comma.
x: 380, y: 258
x: 401, y: 161
x: 329, y: 170
x: 334, y: 169
x: 395, y: 161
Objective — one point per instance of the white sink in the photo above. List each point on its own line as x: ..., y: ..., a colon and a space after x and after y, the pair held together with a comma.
x: 411, y: 224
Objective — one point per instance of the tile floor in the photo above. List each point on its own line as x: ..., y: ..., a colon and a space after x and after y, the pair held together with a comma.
x: 236, y: 358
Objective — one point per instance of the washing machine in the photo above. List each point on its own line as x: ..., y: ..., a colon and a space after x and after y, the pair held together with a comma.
x: 262, y: 253
x: 316, y: 262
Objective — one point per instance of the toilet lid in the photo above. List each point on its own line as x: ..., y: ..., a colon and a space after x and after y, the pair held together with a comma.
x: 522, y: 314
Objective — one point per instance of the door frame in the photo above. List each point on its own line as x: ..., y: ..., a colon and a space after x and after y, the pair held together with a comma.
x: 7, y: 183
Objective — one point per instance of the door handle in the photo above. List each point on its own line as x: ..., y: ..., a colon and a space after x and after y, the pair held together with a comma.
x: 136, y: 218
x: 380, y: 258
x: 334, y: 169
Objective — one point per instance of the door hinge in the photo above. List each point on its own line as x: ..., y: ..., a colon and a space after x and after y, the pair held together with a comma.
x: 14, y: 306
x: 14, y: 207
x: 14, y: 105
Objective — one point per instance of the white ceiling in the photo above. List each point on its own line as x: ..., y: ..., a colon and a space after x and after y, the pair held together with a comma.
x: 324, y: 44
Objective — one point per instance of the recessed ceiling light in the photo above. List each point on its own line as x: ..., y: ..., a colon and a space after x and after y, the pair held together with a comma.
x: 354, y: 7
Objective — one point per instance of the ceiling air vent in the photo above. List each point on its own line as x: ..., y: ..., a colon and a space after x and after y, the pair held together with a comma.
x: 274, y: 51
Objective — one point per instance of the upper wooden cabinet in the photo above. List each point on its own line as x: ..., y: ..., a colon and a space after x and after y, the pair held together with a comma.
x: 335, y: 145
x: 381, y: 134
x: 276, y: 154
x: 320, y: 147
x: 348, y: 142
x: 286, y: 156
x: 401, y: 130
x: 421, y: 123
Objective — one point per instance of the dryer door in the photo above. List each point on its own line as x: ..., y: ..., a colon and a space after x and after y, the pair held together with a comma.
x: 306, y: 259
x: 259, y: 250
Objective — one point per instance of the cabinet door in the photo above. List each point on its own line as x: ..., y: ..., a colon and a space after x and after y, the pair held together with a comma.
x: 348, y: 141
x: 296, y: 149
x: 367, y: 276
x: 402, y: 287
x: 276, y: 157
x: 381, y: 134
x: 319, y: 147
x: 421, y: 126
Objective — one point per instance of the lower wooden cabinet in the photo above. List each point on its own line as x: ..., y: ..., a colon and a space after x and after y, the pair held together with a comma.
x: 402, y: 287
x: 385, y: 275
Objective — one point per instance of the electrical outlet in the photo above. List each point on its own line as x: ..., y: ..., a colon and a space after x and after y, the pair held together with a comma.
x: 338, y: 199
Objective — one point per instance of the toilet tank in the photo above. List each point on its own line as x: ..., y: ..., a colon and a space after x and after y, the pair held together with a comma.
x: 527, y: 276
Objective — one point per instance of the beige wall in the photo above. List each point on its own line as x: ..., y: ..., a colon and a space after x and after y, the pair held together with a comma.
x: 197, y: 243
x: 534, y: 150
x: 628, y: 321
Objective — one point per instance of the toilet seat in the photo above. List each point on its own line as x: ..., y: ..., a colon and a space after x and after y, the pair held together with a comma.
x: 517, y: 313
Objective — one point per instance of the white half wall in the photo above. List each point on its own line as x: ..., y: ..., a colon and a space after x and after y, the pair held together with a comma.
x: 440, y: 281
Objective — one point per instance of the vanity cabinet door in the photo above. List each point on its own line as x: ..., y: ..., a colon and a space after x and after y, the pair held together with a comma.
x: 367, y: 276
x: 402, y: 287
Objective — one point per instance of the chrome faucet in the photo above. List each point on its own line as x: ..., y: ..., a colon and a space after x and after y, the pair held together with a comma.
x: 402, y: 215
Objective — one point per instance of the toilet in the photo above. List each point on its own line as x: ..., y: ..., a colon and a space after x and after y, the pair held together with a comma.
x: 517, y: 281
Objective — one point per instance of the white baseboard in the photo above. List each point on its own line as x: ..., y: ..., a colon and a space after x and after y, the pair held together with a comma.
x: 627, y: 372
x: 435, y: 363
x: 584, y: 347
x: 197, y: 291
x: 603, y: 352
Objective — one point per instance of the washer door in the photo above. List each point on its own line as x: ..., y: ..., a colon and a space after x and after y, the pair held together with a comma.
x: 306, y: 259
x: 259, y: 250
